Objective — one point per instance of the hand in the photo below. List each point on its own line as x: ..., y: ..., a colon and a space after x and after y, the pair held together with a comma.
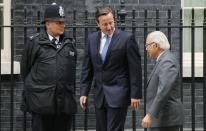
x: 83, y: 102
x: 135, y: 103
x: 147, y: 121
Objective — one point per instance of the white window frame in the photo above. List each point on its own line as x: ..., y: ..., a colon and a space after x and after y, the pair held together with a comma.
x: 6, y: 51
x: 187, y: 55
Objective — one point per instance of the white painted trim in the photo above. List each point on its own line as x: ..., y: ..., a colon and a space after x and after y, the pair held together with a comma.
x: 194, y: 8
x: 190, y: 7
x: 6, y: 52
x: 182, y: 3
x: 6, y: 55
x: 187, y: 65
x: 6, y: 67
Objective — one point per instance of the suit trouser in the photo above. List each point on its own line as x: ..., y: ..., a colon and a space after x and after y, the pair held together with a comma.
x: 110, y: 119
x: 172, y: 128
x: 51, y: 122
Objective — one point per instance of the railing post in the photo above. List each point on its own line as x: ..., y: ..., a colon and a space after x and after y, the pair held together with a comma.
x: 169, y: 27
x: 1, y: 41
x: 74, y: 24
x: 12, y: 75
x: 133, y: 22
x: 74, y: 37
x: 157, y: 19
x: 114, y: 15
x: 38, y: 21
x: 145, y: 61
x: 86, y: 35
x: 181, y: 57
x: 133, y: 111
x: 122, y: 14
x: 25, y: 39
x: 204, y: 70
x: 193, y: 70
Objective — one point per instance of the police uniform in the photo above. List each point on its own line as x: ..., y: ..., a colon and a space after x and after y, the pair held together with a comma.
x: 48, y: 72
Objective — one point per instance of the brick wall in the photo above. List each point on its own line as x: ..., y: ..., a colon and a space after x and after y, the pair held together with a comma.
x: 32, y: 6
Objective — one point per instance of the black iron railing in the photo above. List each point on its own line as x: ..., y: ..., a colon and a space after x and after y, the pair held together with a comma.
x: 80, y: 30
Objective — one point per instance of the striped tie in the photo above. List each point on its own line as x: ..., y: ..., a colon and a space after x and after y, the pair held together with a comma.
x: 55, y: 42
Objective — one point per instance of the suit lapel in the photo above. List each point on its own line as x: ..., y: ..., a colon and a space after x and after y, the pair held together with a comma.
x: 97, y: 46
x: 152, y: 73
x: 155, y: 67
x: 98, y: 41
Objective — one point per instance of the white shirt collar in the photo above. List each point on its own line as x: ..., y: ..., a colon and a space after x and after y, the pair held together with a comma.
x: 103, y: 40
x: 103, y: 35
x: 160, y: 55
x: 51, y: 37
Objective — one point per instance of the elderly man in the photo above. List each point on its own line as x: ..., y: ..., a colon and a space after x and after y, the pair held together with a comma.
x: 164, y: 108
x: 48, y: 69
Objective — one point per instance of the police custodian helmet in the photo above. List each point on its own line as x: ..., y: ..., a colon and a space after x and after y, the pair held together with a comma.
x: 54, y: 12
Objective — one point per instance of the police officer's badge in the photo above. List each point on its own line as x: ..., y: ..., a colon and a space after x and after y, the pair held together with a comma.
x: 61, y: 11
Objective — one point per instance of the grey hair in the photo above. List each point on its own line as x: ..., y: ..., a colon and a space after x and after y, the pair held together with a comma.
x: 160, y: 38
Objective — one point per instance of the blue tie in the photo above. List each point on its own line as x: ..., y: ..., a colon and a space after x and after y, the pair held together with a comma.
x: 104, y: 50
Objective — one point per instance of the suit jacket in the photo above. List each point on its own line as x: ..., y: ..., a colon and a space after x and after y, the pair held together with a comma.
x: 163, y: 92
x: 119, y: 78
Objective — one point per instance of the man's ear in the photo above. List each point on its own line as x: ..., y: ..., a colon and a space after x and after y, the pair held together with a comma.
x: 47, y: 23
x: 157, y: 45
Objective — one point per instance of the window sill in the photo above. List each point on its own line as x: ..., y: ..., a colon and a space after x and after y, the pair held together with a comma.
x: 187, y: 71
x: 187, y: 65
x: 6, y: 67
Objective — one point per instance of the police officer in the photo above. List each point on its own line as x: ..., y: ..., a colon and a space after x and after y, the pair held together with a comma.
x: 48, y: 72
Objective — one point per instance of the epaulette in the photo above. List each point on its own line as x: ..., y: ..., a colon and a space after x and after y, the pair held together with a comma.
x: 32, y: 36
x: 72, y: 40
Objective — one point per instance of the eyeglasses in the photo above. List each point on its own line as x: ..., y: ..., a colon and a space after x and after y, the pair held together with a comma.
x: 148, y: 46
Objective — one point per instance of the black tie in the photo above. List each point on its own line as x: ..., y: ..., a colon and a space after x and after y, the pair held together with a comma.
x: 54, y: 40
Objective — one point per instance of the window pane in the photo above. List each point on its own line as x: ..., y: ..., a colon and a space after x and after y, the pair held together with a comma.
x: 186, y: 31
x: 198, y: 31
x: 199, y: 14
x: 1, y: 28
x: 194, y: 3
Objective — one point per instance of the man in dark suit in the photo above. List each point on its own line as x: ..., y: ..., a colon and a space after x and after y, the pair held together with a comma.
x: 164, y: 108
x: 112, y: 61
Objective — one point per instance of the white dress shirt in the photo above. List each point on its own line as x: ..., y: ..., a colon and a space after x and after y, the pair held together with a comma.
x: 102, y: 41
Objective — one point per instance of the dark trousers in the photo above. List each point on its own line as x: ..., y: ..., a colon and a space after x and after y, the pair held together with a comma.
x: 172, y: 128
x: 51, y: 122
x: 110, y: 119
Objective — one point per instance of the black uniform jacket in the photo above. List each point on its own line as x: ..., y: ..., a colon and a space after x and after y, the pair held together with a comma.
x: 49, y: 75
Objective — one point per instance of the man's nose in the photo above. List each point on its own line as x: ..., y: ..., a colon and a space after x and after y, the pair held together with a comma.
x: 109, y: 27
